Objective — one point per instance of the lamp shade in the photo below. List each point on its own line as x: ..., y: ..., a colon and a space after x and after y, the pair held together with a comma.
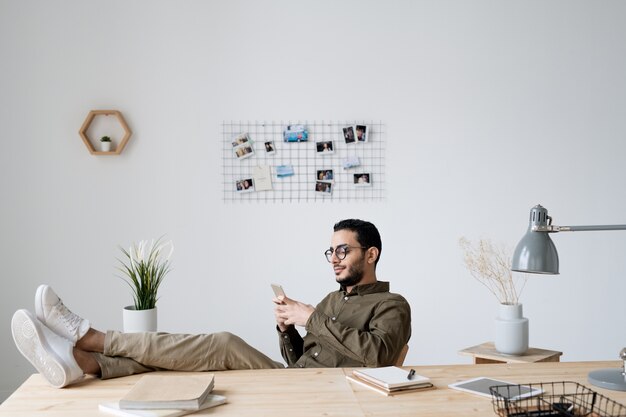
x: 536, y: 253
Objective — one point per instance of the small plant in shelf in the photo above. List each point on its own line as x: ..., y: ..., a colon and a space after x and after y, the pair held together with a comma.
x: 105, y: 144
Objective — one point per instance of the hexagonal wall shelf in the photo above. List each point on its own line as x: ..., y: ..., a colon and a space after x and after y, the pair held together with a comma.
x: 90, y: 118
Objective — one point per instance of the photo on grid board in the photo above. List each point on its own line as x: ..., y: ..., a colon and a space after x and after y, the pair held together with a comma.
x: 284, y: 171
x: 242, y: 146
x: 324, y: 147
x: 241, y: 139
x: 244, y: 186
x: 363, y: 179
x: 295, y: 133
x: 270, y: 149
x: 325, y: 175
x: 351, y: 161
x: 322, y: 187
x: 348, y: 134
x: 361, y: 133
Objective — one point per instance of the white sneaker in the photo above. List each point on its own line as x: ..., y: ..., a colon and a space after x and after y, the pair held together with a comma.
x: 52, y: 312
x: 48, y: 352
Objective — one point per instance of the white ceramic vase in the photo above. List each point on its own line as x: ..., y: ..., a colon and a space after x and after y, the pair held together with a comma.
x: 511, y: 331
x: 105, y: 146
x: 139, y: 320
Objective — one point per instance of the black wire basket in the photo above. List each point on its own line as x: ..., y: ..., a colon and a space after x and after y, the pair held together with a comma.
x: 564, y: 398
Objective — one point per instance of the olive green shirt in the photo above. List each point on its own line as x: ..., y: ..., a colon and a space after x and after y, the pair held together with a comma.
x: 366, y: 328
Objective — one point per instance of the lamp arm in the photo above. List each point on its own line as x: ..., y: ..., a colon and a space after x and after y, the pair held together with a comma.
x: 553, y: 229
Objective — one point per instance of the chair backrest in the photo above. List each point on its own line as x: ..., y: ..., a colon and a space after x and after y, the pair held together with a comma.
x: 402, y: 356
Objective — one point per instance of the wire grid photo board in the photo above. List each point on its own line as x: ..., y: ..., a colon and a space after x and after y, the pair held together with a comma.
x: 338, y: 161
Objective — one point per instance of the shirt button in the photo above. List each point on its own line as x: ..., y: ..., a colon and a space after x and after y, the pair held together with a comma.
x: 286, y: 337
x: 316, y: 353
x: 345, y: 298
x: 290, y: 350
x: 333, y: 318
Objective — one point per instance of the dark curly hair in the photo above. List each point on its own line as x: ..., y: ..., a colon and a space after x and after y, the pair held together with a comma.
x: 366, y: 233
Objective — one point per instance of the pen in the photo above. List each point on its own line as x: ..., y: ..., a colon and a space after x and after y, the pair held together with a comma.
x: 411, y: 374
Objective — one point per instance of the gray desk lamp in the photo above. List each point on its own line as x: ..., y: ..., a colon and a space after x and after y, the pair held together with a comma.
x: 536, y: 254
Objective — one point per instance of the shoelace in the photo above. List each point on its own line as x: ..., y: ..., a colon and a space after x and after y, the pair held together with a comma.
x: 69, y: 319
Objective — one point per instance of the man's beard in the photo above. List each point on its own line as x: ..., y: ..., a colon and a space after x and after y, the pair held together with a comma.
x: 355, y: 275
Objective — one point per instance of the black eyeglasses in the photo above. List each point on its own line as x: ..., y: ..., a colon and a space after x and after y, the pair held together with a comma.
x: 340, y: 252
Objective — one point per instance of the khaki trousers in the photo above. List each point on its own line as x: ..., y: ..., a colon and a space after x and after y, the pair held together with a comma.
x: 134, y: 353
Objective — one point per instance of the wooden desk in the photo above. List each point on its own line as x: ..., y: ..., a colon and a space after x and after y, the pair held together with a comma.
x: 309, y: 392
x: 487, y: 353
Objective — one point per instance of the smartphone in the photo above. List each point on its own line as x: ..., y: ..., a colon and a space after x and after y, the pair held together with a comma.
x: 278, y: 290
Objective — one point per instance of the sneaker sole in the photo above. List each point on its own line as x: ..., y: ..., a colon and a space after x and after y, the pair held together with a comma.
x: 32, y: 344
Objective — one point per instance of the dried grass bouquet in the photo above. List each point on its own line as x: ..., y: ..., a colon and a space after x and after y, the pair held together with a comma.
x: 491, y: 265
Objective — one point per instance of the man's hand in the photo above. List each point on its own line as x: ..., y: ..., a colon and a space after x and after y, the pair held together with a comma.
x: 290, y: 312
x: 279, y: 321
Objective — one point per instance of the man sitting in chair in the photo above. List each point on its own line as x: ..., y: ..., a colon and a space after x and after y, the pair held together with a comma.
x: 360, y: 325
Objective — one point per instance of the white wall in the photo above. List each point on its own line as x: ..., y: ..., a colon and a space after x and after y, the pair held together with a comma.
x: 491, y: 107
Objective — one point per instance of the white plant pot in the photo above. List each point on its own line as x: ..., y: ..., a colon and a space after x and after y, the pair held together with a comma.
x: 511, y: 330
x: 139, y: 320
x: 105, y: 146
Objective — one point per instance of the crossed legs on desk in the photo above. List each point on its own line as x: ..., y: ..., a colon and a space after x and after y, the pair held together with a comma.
x: 63, y: 347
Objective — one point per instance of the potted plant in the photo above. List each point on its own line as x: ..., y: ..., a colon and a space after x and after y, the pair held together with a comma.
x: 105, y: 144
x: 145, y: 267
x: 491, y: 266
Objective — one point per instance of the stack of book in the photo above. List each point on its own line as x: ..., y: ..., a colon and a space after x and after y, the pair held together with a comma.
x: 390, y: 380
x: 163, y: 395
